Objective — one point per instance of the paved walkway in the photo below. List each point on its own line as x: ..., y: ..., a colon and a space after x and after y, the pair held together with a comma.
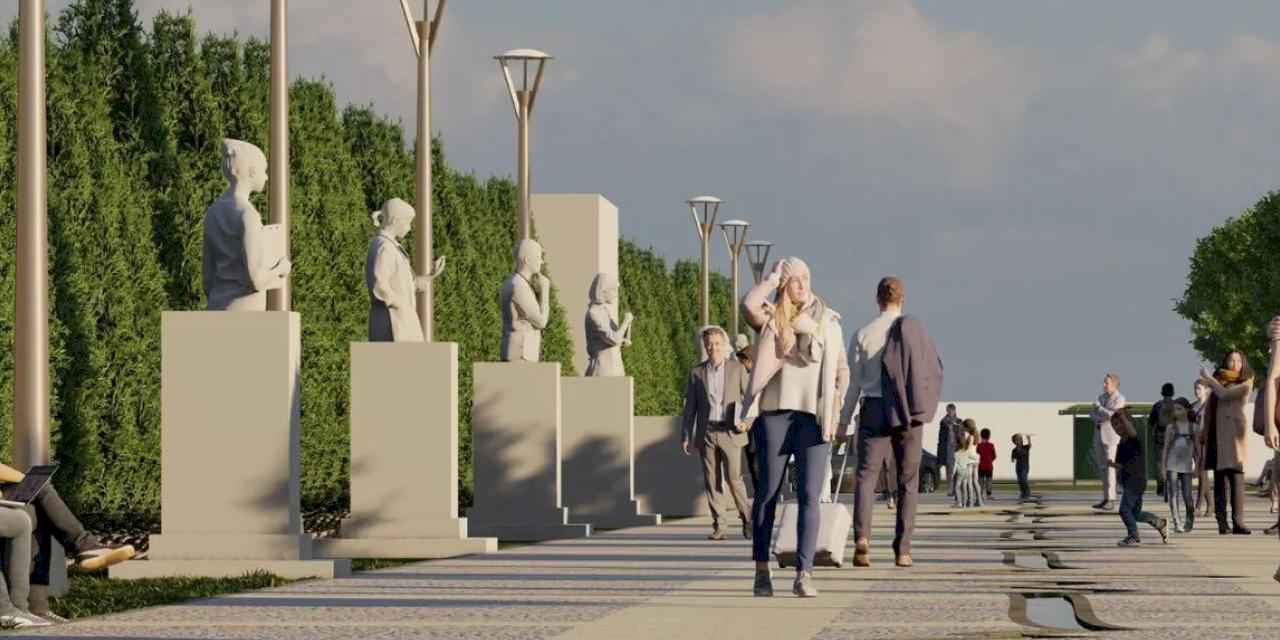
x: 984, y: 574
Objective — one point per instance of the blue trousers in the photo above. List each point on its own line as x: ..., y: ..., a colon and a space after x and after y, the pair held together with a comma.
x: 1131, y: 512
x: 779, y: 435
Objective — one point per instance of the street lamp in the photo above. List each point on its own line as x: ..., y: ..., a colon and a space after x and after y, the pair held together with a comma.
x: 758, y: 256
x: 735, y: 236
x: 280, y: 299
x: 31, y: 317
x: 522, y: 100
x: 422, y: 240
x: 704, y: 210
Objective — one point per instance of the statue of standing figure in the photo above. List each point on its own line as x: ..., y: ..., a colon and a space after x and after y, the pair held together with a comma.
x: 389, y: 276
x: 605, y: 337
x: 525, y: 315
x: 242, y: 259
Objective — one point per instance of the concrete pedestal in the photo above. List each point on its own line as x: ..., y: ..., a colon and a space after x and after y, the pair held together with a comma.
x: 516, y: 444
x: 598, y: 463
x: 230, y: 394
x: 579, y: 232
x: 667, y: 481
x: 404, y: 456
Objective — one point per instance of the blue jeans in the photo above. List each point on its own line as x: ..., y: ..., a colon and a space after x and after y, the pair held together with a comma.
x: 1024, y: 484
x: 1131, y: 512
x: 779, y: 435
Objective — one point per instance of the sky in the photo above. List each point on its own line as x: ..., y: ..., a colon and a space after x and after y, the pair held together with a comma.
x: 1037, y: 173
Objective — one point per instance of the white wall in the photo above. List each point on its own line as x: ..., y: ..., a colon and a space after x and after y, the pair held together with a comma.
x: 1052, y: 437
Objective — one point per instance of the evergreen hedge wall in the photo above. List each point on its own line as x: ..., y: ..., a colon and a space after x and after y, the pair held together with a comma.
x: 136, y: 118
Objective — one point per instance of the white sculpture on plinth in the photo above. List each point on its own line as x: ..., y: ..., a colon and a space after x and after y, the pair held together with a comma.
x: 389, y: 276
x: 605, y: 337
x: 242, y: 258
x: 525, y: 315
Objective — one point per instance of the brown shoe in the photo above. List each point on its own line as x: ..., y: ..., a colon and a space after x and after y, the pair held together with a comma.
x: 903, y: 560
x: 862, y: 553
x: 718, y: 534
x: 103, y: 557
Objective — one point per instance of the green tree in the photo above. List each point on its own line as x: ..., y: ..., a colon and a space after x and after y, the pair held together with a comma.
x: 1233, y: 284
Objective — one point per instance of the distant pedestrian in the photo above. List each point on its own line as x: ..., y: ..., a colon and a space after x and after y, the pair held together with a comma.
x: 948, y: 428
x: 1021, y: 456
x: 1178, y: 455
x: 1157, y: 424
x: 1105, y: 440
x: 965, y: 475
x: 1132, y: 466
x: 986, y: 462
x: 1203, y: 488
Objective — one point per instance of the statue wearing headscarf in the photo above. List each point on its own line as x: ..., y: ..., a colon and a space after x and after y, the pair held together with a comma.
x: 605, y: 337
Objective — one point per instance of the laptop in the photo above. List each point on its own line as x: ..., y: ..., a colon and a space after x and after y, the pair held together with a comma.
x: 20, y: 495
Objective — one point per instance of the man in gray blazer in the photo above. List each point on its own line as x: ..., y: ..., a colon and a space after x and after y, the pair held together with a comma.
x: 715, y: 387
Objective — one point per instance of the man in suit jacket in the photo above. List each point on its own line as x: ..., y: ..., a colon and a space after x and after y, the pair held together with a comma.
x: 714, y: 390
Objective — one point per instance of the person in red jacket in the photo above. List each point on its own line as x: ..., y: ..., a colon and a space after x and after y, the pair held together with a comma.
x: 986, y: 461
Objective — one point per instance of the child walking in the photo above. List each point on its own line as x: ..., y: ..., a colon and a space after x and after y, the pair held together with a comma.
x: 986, y: 462
x: 965, y: 474
x: 1179, y: 465
x: 1021, y: 456
x: 1132, y: 467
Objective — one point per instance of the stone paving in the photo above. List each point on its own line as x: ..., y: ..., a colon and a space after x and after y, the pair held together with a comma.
x: 979, y: 574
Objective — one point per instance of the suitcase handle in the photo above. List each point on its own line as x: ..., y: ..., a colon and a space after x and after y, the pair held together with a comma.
x: 848, y: 444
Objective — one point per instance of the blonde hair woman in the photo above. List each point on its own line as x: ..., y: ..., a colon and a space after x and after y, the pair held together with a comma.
x: 799, y: 380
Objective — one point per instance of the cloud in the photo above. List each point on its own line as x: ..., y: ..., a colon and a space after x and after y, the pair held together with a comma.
x: 885, y: 64
x: 1159, y: 75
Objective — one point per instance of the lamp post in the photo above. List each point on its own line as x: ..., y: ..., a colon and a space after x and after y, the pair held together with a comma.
x: 735, y: 237
x: 704, y: 210
x: 423, y: 259
x: 31, y: 330
x: 278, y: 173
x: 758, y: 257
x: 522, y: 100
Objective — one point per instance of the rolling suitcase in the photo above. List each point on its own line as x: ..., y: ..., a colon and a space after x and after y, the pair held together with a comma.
x: 833, y: 532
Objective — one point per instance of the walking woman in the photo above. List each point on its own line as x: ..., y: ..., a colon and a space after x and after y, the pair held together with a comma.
x: 1198, y: 408
x: 1225, y: 437
x: 799, y: 380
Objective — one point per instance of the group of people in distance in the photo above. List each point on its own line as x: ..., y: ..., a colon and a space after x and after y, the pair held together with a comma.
x: 1191, y: 439
x: 793, y: 394
x: 967, y: 456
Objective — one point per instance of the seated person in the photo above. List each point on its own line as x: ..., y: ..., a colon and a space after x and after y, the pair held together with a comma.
x: 54, y: 521
x: 15, y: 534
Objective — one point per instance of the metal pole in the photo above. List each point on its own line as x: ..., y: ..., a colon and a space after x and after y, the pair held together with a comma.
x: 704, y: 293
x: 422, y: 256
x: 280, y: 299
x: 523, y: 164
x: 733, y: 304
x: 31, y: 339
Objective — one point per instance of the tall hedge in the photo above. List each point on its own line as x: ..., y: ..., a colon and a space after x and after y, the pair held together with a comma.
x: 136, y: 116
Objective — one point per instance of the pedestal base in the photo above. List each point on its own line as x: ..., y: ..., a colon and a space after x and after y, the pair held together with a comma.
x: 291, y: 569
x: 403, y: 548
x: 598, y: 433
x: 404, y: 456
x: 667, y: 481
x: 516, y: 440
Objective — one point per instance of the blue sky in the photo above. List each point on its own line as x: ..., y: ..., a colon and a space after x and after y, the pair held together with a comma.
x: 1037, y: 171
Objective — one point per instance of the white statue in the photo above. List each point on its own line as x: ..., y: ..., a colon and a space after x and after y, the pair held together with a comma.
x: 388, y: 273
x: 605, y: 337
x: 524, y: 315
x: 242, y: 259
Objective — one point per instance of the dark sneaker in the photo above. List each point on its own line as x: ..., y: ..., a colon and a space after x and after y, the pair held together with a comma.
x: 746, y: 530
x: 1106, y: 505
x: 1162, y: 527
x: 804, y: 585
x: 1241, y: 531
x: 1129, y: 542
x: 763, y: 587
x: 103, y: 557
